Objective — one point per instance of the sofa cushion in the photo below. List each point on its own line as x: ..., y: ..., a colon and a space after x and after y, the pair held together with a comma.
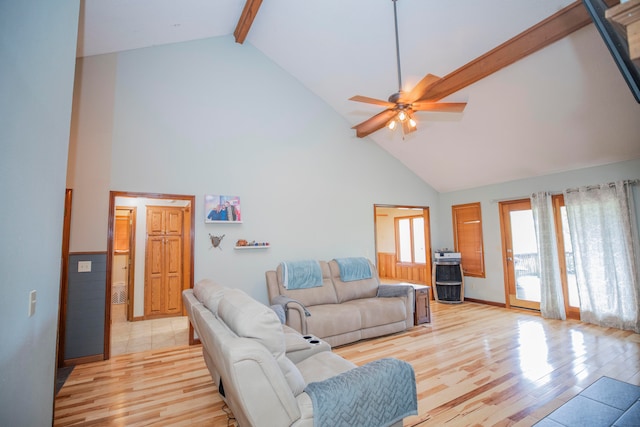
x: 209, y: 293
x: 333, y: 319
x: 324, y: 294
x: 347, y: 291
x: 248, y: 318
x: 379, y: 311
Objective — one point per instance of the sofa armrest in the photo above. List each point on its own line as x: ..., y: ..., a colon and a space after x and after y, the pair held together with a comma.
x: 352, y: 397
x: 290, y: 303
x: 385, y: 291
x: 406, y: 291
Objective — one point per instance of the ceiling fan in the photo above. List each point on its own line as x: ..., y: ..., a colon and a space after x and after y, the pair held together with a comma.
x: 402, y: 105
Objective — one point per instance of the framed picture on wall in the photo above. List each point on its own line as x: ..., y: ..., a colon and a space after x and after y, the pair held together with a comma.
x: 222, y: 209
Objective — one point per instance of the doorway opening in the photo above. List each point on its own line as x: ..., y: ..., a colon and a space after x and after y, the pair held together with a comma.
x: 149, y: 264
x: 403, y: 243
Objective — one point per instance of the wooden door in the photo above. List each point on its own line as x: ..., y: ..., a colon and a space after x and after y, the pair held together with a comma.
x: 520, y: 254
x: 122, y: 257
x: 173, y: 270
x: 467, y: 237
x: 164, y: 269
x: 153, y: 286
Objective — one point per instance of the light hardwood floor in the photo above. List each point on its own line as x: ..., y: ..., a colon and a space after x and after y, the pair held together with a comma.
x: 475, y: 365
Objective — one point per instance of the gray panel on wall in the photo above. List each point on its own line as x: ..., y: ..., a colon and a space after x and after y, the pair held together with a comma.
x: 84, y: 330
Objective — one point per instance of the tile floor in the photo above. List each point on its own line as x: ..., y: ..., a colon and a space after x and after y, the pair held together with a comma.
x: 134, y: 337
x: 606, y: 402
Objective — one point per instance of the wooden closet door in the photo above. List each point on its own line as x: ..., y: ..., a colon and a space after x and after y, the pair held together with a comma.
x: 173, y: 221
x: 163, y: 278
x: 155, y: 221
x: 155, y: 276
x: 173, y: 271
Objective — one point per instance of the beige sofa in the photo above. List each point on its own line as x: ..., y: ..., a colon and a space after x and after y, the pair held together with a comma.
x: 343, y: 312
x: 270, y: 375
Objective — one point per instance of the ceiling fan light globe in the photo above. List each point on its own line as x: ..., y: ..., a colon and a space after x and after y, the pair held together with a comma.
x: 402, y: 116
x: 392, y: 125
x: 412, y: 123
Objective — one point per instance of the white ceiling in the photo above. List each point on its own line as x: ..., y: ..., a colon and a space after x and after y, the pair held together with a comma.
x: 565, y: 107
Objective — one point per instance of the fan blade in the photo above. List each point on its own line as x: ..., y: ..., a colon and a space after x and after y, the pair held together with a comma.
x: 445, y: 107
x: 374, y: 123
x: 420, y: 88
x: 359, y: 98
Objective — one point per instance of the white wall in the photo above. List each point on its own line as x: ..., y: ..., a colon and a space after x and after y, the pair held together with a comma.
x: 37, y: 53
x: 90, y: 161
x: 216, y: 117
x: 491, y: 288
x: 385, y: 234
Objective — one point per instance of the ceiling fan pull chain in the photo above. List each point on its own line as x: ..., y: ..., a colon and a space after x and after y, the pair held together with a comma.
x: 395, y: 20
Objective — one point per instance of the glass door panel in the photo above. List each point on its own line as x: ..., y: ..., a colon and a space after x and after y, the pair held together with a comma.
x: 572, y: 285
x: 525, y: 256
x: 520, y: 249
x: 565, y: 255
x: 420, y: 254
x: 404, y: 240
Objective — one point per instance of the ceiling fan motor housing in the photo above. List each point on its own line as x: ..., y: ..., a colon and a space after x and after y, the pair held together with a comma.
x: 395, y: 97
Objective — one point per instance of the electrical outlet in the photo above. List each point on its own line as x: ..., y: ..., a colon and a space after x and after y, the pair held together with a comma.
x: 32, y: 303
x: 84, y: 266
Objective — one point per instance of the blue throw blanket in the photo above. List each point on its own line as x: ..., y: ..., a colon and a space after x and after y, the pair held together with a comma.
x: 354, y: 269
x: 379, y: 393
x: 301, y: 274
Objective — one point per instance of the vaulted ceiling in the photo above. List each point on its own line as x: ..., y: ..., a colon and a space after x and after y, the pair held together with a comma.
x: 559, y: 108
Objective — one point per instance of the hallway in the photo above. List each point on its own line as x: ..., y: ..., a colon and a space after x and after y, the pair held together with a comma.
x: 144, y: 335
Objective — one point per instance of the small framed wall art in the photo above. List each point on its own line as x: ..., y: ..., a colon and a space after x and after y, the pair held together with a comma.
x: 222, y: 209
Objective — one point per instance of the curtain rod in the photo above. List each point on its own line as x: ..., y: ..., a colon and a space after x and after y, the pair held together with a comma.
x: 610, y: 184
x: 572, y: 189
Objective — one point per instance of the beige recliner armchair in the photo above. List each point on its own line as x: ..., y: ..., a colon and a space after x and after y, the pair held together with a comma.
x: 251, y: 355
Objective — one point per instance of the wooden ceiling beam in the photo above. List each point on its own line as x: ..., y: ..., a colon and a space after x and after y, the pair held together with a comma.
x: 246, y: 19
x: 554, y: 28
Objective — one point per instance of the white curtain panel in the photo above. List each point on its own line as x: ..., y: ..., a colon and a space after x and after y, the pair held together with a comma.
x: 551, y: 297
x: 604, y: 235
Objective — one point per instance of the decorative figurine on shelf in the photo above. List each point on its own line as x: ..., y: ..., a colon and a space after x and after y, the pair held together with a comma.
x: 243, y: 243
x: 215, y: 241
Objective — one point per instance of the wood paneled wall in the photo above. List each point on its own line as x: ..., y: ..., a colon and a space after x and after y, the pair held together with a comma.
x: 390, y: 268
x: 85, y: 309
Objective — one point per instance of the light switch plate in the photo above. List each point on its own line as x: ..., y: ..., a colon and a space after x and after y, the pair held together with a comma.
x: 84, y: 266
x: 32, y: 303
